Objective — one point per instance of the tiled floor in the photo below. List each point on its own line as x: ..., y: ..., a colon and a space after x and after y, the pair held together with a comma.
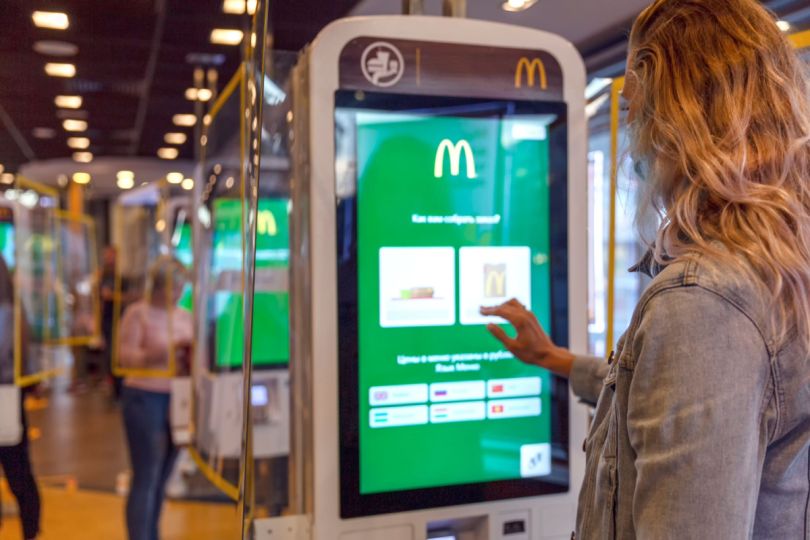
x: 78, y: 452
x: 93, y: 515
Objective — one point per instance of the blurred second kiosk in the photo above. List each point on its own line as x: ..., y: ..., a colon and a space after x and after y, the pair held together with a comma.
x: 438, y: 165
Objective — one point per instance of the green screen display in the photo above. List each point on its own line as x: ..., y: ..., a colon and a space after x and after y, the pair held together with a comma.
x: 271, y: 328
x: 452, y: 214
x: 7, y: 243
x: 183, y: 251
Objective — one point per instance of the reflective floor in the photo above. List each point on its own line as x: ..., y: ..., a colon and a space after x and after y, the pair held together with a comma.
x: 79, y: 457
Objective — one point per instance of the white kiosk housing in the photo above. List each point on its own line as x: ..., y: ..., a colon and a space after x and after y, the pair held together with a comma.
x: 439, y: 164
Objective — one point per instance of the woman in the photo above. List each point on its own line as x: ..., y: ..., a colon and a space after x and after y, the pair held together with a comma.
x: 16, y: 459
x: 149, y: 329
x: 703, y: 419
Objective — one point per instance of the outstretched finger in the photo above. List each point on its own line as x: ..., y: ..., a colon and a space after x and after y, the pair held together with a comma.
x: 506, y: 311
x: 501, y: 335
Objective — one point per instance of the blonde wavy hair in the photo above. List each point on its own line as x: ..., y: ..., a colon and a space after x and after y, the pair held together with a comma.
x: 722, y: 128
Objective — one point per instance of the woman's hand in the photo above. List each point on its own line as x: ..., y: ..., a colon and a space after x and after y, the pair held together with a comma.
x: 531, y: 345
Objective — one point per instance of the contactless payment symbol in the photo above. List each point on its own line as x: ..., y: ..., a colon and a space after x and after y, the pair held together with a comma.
x: 535, y: 460
x: 382, y: 64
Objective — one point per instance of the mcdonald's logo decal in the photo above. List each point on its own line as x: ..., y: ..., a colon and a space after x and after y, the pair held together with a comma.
x: 530, y: 67
x: 494, y: 280
x: 266, y: 223
x: 454, y: 150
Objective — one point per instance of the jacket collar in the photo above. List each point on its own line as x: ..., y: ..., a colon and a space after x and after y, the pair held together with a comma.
x: 647, y: 265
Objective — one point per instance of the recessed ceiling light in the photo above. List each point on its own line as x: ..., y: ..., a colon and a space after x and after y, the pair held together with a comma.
x: 68, y: 102
x: 517, y: 5
x: 81, y: 178
x: 175, y: 138
x: 82, y: 157
x: 54, y: 20
x: 226, y: 36
x: 7, y: 178
x: 62, y: 180
x: 55, y: 48
x: 185, y: 120
x: 784, y: 26
x: 125, y: 175
x: 238, y: 7
x: 74, y: 125
x: 174, y: 177
x: 198, y: 94
x: 2, y: 169
x: 167, y: 153
x: 78, y: 143
x: 43, y: 133
x: 55, y: 69
x: 125, y: 183
x: 188, y: 184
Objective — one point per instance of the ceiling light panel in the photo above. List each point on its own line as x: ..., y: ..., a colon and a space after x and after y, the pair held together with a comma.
x: 184, y: 120
x: 82, y: 157
x: 125, y: 183
x: 53, y: 20
x: 81, y: 178
x: 68, y: 102
x: 238, y: 7
x: 168, y: 153
x: 174, y: 177
x: 55, y: 69
x: 187, y: 184
x: 175, y: 138
x: 78, y: 143
x: 74, y: 125
x: 226, y: 36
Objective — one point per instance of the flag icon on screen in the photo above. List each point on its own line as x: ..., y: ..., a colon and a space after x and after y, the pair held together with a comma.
x: 497, y: 389
x: 497, y: 409
x: 381, y: 396
x: 440, y: 393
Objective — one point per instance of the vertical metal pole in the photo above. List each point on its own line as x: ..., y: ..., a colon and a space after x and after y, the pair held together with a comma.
x: 413, y: 7
x: 454, y: 8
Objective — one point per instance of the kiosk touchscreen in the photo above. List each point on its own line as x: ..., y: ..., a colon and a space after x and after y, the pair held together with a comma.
x: 271, y: 299
x: 457, y: 203
x: 440, y: 167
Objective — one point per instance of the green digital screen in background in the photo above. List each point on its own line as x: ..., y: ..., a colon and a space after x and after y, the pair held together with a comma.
x: 271, y: 327
x: 184, y: 252
x: 7, y: 243
x: 452, y: 214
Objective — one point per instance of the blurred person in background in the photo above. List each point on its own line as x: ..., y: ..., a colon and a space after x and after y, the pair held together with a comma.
x: 15, y: 459
x: 149, y: 330
x: 107, y: 284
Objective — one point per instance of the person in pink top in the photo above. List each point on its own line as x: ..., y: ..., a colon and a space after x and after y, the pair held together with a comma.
x: 149, y: 329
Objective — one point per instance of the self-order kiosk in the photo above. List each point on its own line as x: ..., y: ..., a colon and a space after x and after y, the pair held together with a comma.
x: 438, y: 166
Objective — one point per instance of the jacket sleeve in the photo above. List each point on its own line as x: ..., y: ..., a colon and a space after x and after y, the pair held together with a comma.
x: 694, y: 416
x: 587, y: 375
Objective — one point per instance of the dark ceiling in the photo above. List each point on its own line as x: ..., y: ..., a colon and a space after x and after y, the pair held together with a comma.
x: 128, y: 110
x: 115, y: 40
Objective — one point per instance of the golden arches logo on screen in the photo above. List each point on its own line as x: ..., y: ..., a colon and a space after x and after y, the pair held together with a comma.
x: 494, y: 280
x: 453, y: 150
x: 530, y: 68
x: 266, y: 223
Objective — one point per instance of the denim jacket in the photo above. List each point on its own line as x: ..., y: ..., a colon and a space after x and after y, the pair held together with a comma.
x: 702, y: 421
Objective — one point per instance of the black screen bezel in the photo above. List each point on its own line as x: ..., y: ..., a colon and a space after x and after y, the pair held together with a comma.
x: 354, y: 504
